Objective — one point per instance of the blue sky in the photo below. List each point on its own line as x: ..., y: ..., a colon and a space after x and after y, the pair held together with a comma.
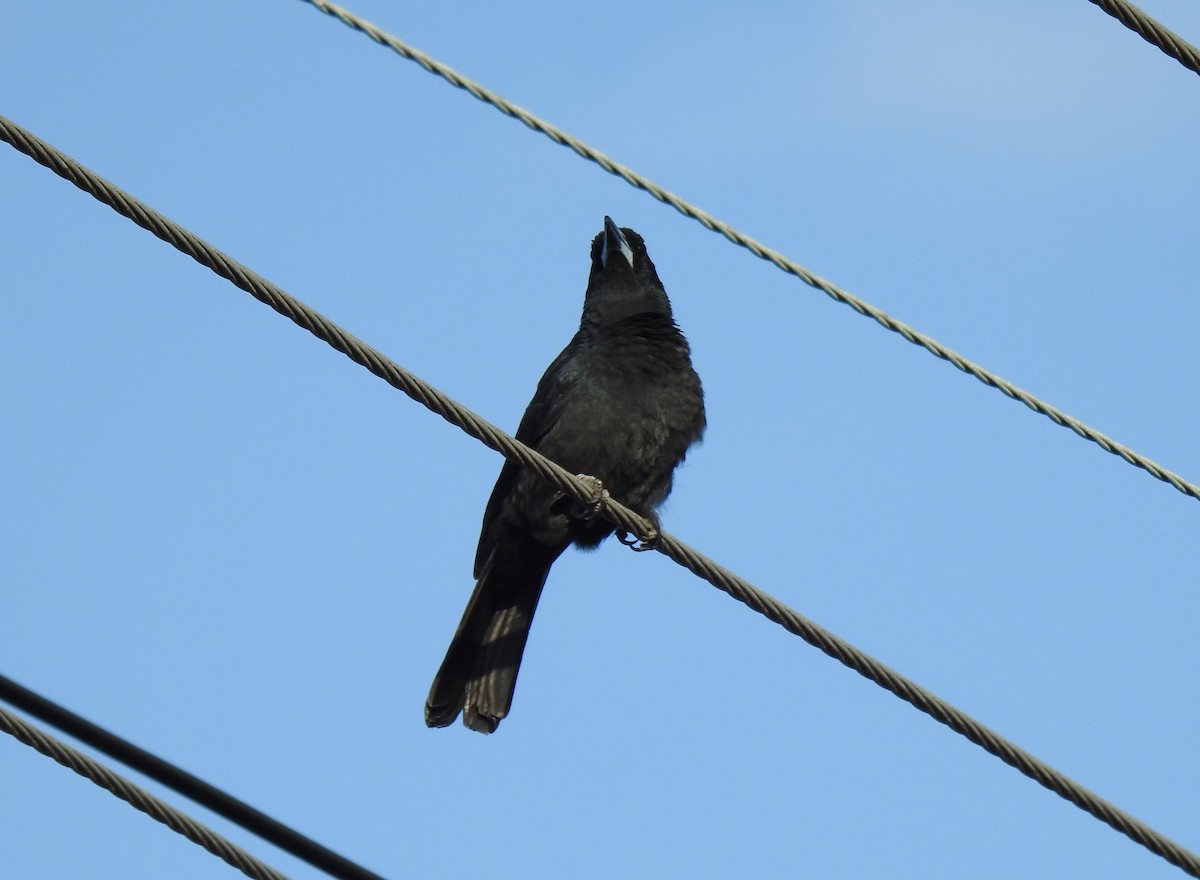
x: 234, y: 547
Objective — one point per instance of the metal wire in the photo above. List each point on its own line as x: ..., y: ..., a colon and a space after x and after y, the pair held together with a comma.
x: 165, y: 773
x: 774, y: 257
x: 624, y: 518
x: 1152, y: 32
x: 137, y: 797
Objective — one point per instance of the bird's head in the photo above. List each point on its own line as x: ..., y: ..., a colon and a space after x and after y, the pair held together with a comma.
x: 623, y: 281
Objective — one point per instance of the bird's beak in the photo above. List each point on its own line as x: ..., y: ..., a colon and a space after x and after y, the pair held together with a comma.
x: 614, y: 242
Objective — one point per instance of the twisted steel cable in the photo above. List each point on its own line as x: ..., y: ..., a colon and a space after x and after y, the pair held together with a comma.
x: 1152, y: 32
x: 774, y: 257
x: 191, y: 787
x: 932, y: 705
x: 584, y: 491
x: 137, y: 797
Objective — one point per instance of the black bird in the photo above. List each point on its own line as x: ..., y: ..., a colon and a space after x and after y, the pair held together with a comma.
x: 622, y: 404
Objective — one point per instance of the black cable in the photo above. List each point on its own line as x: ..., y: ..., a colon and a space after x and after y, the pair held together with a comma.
x: 209, y: 796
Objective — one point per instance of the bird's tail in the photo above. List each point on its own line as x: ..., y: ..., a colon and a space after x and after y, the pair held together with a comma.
x: 479, y: 674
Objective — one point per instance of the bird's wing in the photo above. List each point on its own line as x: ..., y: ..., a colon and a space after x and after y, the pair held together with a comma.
x: 540, y: 417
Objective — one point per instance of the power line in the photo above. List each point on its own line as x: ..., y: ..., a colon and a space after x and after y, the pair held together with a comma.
x: 209, y: 796
x: 456, y: 414
x: 1152, y: 32
x: 138, y: 797
x: 709, y: 222
x: 320, y: 326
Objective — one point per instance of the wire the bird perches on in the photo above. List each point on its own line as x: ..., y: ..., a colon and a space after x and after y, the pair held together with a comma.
x: 458, y: 415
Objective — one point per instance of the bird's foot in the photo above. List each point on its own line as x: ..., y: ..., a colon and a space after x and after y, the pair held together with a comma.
x: 639, y: 543
x: 591, y: 509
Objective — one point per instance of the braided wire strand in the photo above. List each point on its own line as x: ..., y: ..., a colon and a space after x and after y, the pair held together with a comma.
x: 931, y: 704
x: 299, y: 313
x: 181, y: 782
x: 774, y: 257
x: 623, y: 517
x: 136, y: 796
x: 1152, y: 32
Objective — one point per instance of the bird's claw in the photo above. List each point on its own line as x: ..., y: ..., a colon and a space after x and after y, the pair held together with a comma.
x: 599, y: 499
x: 636, y: 543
